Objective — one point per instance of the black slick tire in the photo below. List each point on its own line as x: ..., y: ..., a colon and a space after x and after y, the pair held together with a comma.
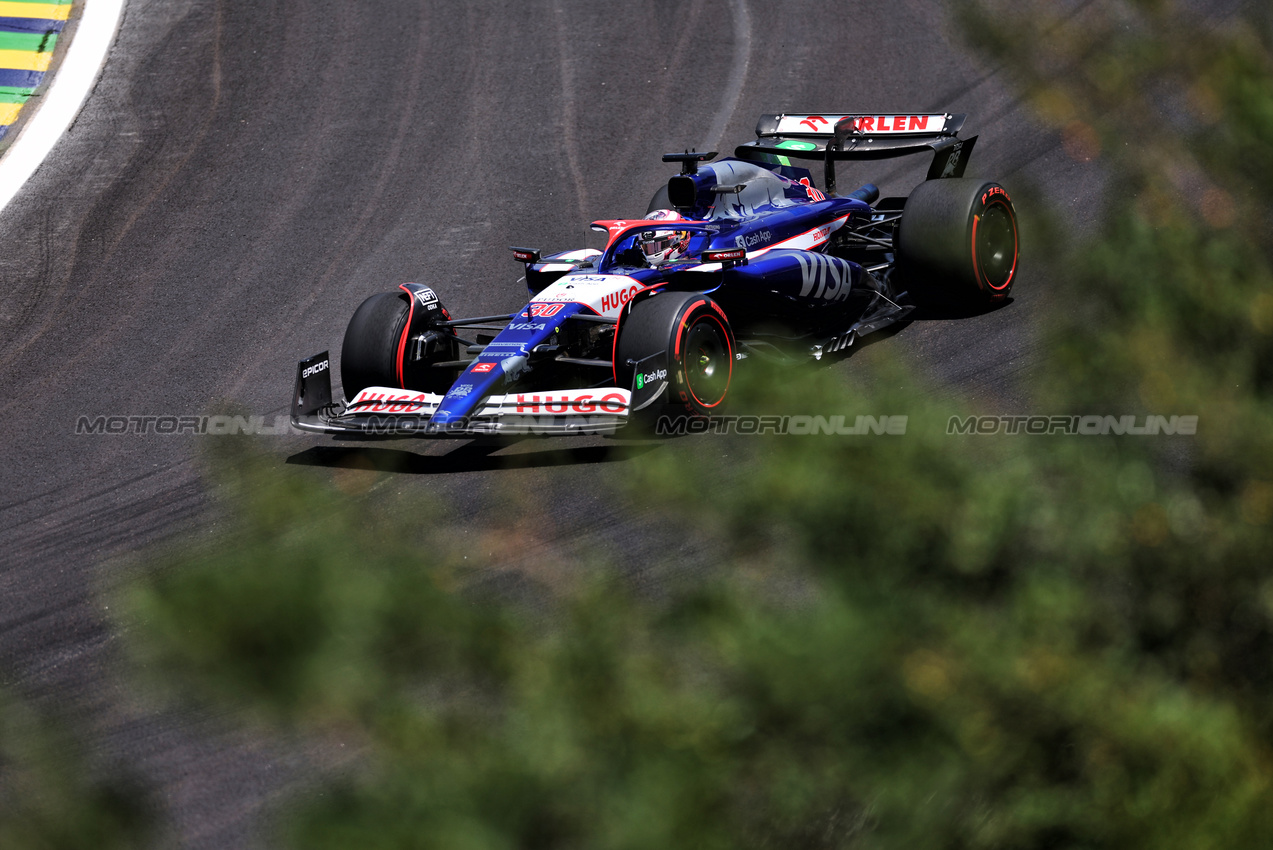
x: 660, y: 201
x: 693, y: 334
x: 957, y: 242
x: 368, y: 356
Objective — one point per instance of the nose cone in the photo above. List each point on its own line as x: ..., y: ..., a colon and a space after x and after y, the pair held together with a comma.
x: 504, y: 360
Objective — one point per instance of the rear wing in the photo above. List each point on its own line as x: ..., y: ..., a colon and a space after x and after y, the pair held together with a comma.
x: 832, y: 137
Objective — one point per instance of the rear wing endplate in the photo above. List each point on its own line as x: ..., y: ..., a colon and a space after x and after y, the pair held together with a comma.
x: 835, y: 137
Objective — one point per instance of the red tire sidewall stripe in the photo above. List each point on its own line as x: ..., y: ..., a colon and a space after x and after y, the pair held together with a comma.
x: 402, y: 341
x: 680, y: 328
x: 729, y: 351
x: 982, y: 280
x: 614, y: 344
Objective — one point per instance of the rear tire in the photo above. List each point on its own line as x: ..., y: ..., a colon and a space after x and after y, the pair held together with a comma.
x: 957, y: 242
x: 693, y: 333
x: 660, y: 201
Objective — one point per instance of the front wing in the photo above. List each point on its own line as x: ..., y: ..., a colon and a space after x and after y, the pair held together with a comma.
x: 395, y: 412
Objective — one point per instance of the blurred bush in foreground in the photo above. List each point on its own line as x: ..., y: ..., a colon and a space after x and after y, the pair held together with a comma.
x: 51, y: 800
x: 924, y: 641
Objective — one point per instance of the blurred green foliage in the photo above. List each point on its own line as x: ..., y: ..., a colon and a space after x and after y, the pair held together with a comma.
x: 50, y: 801
x: 924, y: 641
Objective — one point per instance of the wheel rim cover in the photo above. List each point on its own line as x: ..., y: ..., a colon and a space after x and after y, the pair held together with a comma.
x: 704, y: 362
x: 996, y: 246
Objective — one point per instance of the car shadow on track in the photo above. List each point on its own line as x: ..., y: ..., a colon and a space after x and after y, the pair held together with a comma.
x: 962, y: 311
x: 928, y: 313
x: 476, y: 456
x: 830, y: 360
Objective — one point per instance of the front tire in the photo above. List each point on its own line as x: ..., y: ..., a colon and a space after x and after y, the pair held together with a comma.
x: 957, y: 242
x: 377, y: 352
x: 369, y: 354
x: 692, y: 333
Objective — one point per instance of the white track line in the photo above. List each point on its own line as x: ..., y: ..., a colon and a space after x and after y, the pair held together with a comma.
x: 72, y: 82
x: 737, y: 74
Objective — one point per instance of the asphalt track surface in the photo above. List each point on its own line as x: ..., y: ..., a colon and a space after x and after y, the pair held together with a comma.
x: 245, y: 174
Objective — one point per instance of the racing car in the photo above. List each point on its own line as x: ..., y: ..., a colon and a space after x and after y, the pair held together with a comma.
x: 736, y: 257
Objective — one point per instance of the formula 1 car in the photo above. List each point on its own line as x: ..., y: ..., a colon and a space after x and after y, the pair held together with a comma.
x: 737, y: 257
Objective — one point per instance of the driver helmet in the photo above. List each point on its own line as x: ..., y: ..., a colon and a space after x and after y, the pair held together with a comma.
x: 664, y: 246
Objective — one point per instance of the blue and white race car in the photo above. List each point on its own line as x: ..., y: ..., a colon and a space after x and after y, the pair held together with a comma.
x: 737, y: 257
